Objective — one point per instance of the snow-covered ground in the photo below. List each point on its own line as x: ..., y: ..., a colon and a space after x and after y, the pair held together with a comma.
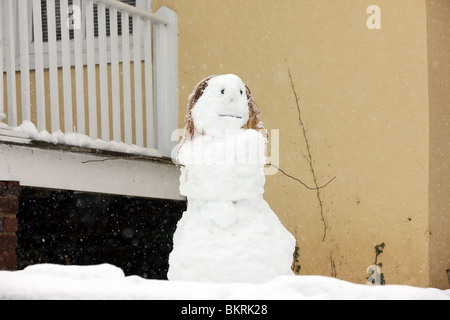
x: 105, y: 281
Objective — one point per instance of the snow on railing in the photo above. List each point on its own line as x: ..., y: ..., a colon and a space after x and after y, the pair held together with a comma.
x: 84, y: 45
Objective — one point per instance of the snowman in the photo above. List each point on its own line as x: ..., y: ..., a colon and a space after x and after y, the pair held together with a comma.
x: 228, y: 232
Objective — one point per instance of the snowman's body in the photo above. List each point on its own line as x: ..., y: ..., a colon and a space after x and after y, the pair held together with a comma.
x: 228, y: 233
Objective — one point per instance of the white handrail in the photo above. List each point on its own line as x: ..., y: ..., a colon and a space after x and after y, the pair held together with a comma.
x: 134, y: 11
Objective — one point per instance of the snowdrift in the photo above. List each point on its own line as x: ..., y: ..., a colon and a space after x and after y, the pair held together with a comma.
x: 107, y: 282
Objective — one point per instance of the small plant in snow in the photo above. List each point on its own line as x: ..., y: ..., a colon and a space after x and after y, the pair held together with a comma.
x: 376, y: 277
x: 296, y: 265
x: 448, y: 275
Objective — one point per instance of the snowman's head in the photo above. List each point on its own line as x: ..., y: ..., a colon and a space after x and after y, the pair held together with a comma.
x: 219, y: 104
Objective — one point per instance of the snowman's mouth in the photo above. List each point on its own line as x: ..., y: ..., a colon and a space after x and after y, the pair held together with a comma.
x: 229, y: 116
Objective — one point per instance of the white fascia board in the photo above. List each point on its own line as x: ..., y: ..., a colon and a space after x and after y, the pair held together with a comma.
x: 88, y: 172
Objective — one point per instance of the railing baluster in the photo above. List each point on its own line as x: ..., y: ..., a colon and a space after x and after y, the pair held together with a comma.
x: 103, y: 67
x: 24, y: 60
x: 126, y: 78
x: 67, y: 73
x: 92, y: 85
x: 79, y: 74
x: 53, y: 64
x: 39, y: 66
x: 148, y: 83
x: 115, y: 76
x: 138, y: 81
x: 11, y: 63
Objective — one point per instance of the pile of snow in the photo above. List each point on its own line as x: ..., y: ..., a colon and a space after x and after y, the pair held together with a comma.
x: 81, y: 140
x: 108, y: 282
x: 2, y: 118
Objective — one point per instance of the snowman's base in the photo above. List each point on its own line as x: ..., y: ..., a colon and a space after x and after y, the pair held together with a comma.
x: 225, y: 241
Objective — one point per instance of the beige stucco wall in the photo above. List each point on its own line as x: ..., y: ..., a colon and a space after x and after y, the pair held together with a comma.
x: 438, y: 13
x: 364, y: 101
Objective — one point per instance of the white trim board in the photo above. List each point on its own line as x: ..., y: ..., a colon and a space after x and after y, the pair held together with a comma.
x: 8, y: 135
x: 65, y: 170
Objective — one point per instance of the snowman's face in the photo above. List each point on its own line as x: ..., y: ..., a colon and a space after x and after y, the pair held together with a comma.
x: 223, y: 106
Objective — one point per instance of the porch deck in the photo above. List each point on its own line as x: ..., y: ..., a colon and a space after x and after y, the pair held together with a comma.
x: 63, y: 167
x: 92, y: 75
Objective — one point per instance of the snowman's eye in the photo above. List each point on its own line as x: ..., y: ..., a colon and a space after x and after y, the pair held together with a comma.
x: 242, y: 92
x: 223, y: 91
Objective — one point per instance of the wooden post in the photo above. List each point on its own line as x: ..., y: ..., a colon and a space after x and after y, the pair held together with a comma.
x: 166, y: 79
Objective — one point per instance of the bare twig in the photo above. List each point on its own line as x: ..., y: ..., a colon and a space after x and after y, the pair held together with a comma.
x: 126, y: 157
x: 300, y: 181
x: 101, y: 160
x: 308, y: 157
x: 115, y: 158
x: 333, y: 266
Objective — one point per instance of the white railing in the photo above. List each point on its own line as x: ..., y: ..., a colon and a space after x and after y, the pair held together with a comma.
x: 114, y: 86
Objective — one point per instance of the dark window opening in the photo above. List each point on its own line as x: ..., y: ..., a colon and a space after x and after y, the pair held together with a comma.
x: 67, y: 228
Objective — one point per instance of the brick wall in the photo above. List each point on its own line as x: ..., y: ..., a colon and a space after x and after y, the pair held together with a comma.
x: 9, y: 207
